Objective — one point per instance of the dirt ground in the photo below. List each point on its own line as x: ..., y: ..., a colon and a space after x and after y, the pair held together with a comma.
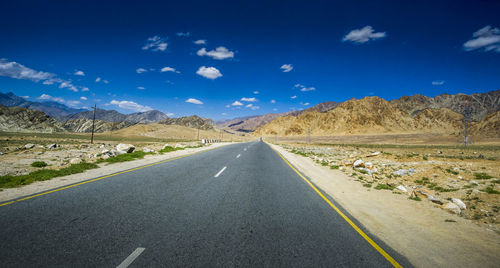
x: 425, y: 233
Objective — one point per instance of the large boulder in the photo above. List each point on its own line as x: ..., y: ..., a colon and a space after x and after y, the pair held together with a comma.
x: 451, y: 208
x: 459, y: 203
x: 75, y: 161
x: 358, y: 163
x: 52, y: 146
x: 29, y: 146
x: 127, y: 148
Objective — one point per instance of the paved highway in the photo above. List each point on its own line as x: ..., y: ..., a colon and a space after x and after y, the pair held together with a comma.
x: 239, y: 205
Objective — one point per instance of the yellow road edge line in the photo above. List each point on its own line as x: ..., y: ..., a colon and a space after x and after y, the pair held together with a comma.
x: 102, y: 177
x: 353, y: 225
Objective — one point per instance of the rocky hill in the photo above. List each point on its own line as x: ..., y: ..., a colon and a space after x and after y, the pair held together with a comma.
x: 481, y: 104
x: 115, y: 116
x: 17, y: 119
x: 193, y: 121
x: 50, y: 108
x: 85, y: 125
x: 251, y: 123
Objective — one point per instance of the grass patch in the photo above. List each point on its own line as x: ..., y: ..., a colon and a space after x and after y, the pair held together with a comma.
x: 496, y: 181
x: 482, y: 176
x: 168, y: 149
x: 125, y: 157
x: 411, y: 155
x: 449, y: 170
x: 324, y: 163
x: 334, y: 167
x: 447, y: 220
x: 367, y: 185
x: 382, y: 186
x: 490, y: 190
x: 425, y: 158
x: 43, y: 175
x: 416, y: 198
x: 363, y: 171
x: 293, y: 151
x: 39, y: 164
x: 423, y: 181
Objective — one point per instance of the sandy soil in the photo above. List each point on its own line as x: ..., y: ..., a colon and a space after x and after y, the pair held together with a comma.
x: 105, y: 169
x: 417, y: 230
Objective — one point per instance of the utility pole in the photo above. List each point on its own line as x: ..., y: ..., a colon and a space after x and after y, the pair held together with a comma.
x: 93, y: 125
x: 308, y: 135
x: 466, y: 113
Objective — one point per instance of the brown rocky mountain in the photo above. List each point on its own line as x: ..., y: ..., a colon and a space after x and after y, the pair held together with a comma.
x: 251, y: 123
x: 17, y: 119
x: 193, y: 121
x: 481, y: 104
x: 370, y: 115
x: 488, y: 127
x: 85, y: 125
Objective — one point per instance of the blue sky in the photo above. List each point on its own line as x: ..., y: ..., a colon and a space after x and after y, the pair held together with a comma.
x: 256, y: 53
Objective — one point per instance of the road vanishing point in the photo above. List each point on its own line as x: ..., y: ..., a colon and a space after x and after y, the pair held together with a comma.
x: 240, y: 205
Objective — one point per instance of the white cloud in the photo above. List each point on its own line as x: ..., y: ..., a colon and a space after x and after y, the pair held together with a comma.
x: 72, y: 103
x: 105, y: 81
x: 223, y: 113
x: 169, y: 69
x: 236, y: 103
x: 363, y: 35
x: 68, y: 85
x: 155, y: 43
x: 85, y: 89
x: 286, y: 68
x: 256, y: 92
x: 25, y: 97
x: 251, y: 106
x: 200, y: 42
x: 293, y: 97
x: 141, y: 88
x: 83, y: 98
x: 304, y: 88
x: 209, y: 72
x: 79, y: 73
x: 486, y: 38
x: 273, y: 101
x: 248, y: 105
x: 219, y: 53
x: 48, y: 82
x: 438, y: 83
x: 194, y: 101
x: 130, y: 105
x: 227, y: 106
x: 97, y: 79
x: 169, y: 114
x: 18, y: 71
x: 181, y: 34
x: 275, y: 109
x: 50, y: 98
x: 141, y: 70
x: 305, y: 103
x: 249, y: 99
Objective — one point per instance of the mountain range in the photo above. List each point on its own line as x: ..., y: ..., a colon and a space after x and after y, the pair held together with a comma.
x: 50, y: 108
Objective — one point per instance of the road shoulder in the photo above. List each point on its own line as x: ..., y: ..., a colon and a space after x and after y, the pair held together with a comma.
x: 417, y: 231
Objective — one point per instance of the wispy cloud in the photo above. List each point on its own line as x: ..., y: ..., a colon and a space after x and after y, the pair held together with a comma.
x: 305, y: 103
x: 47, y: 97
x: 194, y: 101
x: 256, y: 92
x: 293, y: 97
x: 286, y: 68
x: 141, y: 88
x: 18, y: 71
x: 169, y: 69
x: 486, y: 38
x: 83, y: 98
x: 251, y: 106
x: 363, y: 35
x: 304, y: 88
x: 273, y: 101
x: 79, y: 73
x: 130, y: 105
x: 98, y: 79
x: 236, y: 103
x: 200, y: 42
x: 140, y: 70
x: 249, y: 99
x: 219, y: 53
x: 169, y: 114
x: 209, y: 72
x: 438, y: 83
x: 181, y: 34
x: 155, y: 43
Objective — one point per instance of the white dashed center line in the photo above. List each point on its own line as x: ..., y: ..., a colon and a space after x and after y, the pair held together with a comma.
x: 238, y: 156
x: 131, y: 258
x: 220, y: 172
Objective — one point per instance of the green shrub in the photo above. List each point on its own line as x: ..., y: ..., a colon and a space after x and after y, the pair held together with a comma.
x: 367, y: 185
x: 9, y: 181
x: 482, y: 176
x: 334, y: 167
x: 363, y: 171
x: 449, y: 170
x: 416, y: 198
x: 125, y: 157
x: 39, y: 164
x: 168, y: 149
x: 382, y: 186
x: 490, y: 190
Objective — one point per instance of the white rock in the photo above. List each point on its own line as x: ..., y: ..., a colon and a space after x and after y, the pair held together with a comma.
x: 434, y: 199
x: 460, y: 177
x: 105, y: 156
x: 400, y: 172
x: 402, y: 188
x: 75, y: 161
x: 475, y: 183
x: 451, y: 208
x: 369, y: 165
x: 147, y: 150
x: 127, y: 148
x: 52, y: 146
x: 459, y: 203
x: 29, y: 146
x: 373, y: 154
x: 102, y: 146
x: 358, y: 163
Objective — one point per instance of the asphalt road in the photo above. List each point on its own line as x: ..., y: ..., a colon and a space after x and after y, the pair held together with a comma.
x: 239, y: 205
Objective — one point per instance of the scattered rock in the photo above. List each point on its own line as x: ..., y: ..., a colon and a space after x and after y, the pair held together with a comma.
x: 165, y: 146
x: 373, y: 154
x: 179, y: 146
x: 52, y: 146
x: 105, y: 156
x: 126, y: 148
x: 147, y: 150
x: 459, y: 203
x: 451, y: 208
x: 475, y: 183
x: 402, y: 188
x: 434, y: 199
x: 440, y: 152
x: 29, y: 146
x: 75, y: 161
x: 83, y: 146
x: 358, y: 163
x: 400, y: 172
x: 369, y: 165
x: 101, y: 146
